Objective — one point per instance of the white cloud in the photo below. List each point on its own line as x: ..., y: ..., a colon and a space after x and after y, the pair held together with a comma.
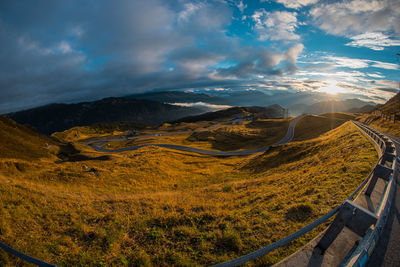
x: 189, y: 10
x: 296, y: 3
x: 375, y: 75
x: 373, y: 40
x: 349, y: 18
x: 202, y: 105
x: 64, y: 47
x: 277, y: 25
x: 346, y: 62
x: 384, y: 65
x: 241, y: 6
x: 355, y: 63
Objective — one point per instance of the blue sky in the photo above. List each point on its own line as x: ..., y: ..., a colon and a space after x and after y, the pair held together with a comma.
x: 67, y: 51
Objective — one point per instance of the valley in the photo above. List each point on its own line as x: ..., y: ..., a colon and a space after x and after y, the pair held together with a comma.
x: 160, y: 206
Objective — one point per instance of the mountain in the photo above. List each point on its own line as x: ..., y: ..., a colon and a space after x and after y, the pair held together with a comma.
x: 249, y: 98
x: 392, y: 105
x: 59, y: 117
x: 274, y: 111
x: 22, y: 142
x: 232, y: 98
x: 364, y: 109
x: 328, y: 106
x: 180, y: 97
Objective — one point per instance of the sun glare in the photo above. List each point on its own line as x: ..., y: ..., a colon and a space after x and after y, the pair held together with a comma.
x: 331, y: 87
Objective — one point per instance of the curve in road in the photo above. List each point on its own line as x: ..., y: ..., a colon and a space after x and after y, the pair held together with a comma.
x: 287, y: 138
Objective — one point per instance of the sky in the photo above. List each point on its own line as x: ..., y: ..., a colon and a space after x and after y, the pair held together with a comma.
x: 70, y: 51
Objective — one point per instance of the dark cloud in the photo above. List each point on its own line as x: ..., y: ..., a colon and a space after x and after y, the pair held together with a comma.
x: 387, y: 89
x: 261, y: 61
x: 64, y: 51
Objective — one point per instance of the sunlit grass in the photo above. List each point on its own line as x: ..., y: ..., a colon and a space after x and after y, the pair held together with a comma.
x: 157, y: 206
x: 380, y: 124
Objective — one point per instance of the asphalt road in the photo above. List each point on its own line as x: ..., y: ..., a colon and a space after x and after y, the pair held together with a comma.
x: 287, y: 138
x: 387, y: 251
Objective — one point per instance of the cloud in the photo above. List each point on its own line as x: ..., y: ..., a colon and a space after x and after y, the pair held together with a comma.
x: 352, y: 63
x: 296, y: 4
x: 241, y: 6
x: 277, y: 25
x: 375, y: 75
x: 384, y: 65
x: 387, y: 89
x: 257, y: 62
x: 102, y: 49
x: 373, y: 40
x: 291, y: 57
x: 355, y: 63
x: 355, y: 17
x: 202, y: 105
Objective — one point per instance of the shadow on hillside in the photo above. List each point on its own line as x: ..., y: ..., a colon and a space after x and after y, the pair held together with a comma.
x: 68, y: 153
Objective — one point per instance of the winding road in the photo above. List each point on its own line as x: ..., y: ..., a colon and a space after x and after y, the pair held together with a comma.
x: 287, y: 138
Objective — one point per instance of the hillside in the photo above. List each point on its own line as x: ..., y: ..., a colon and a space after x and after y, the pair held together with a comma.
x: 219, y: 136
x: 363, y: 109
x: 59, y: 117
x: 313, y: 126
x: 162, y: 207
x: 392, y: 106
x: 180, y: 97
x: 21, y: 142
x: 97, y: 129
x: 274, y: 111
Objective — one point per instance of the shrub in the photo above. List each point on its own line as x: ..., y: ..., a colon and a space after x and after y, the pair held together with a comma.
x: 299, y: 213
x: 230, y: 241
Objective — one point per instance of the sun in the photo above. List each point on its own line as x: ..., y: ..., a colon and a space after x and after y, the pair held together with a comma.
x: 332, y: 88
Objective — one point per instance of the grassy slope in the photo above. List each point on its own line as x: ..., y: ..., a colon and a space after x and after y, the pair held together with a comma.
x: 339, y: 115
x: 97, y: 129
x: 313, y: 126
x: 380, y: 124
x: 21, y: 142
x: 162, y: 207
x: 392, y: 106
x: 246, y: 135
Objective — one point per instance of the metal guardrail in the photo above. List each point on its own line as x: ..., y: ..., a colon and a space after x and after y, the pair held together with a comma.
x: 26, y: 257
x: 381, y: 221
x: 358, y: 258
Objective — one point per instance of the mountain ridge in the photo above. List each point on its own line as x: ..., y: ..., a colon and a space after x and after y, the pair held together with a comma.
x: 58, y: 117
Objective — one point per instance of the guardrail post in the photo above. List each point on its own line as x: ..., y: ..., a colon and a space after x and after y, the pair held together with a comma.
x: 352, y: 216
x: 387, y: 157
x: 380, y: 171
x: 389, y: 147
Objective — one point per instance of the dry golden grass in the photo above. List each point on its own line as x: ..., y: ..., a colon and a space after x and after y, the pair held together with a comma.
x: 380, y: 124
x: 22, y: 142
x: 247, y: 135
x: 313, y: 126
x: 98, y: 129
x: 340, y: 115
x: 163, y: 207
